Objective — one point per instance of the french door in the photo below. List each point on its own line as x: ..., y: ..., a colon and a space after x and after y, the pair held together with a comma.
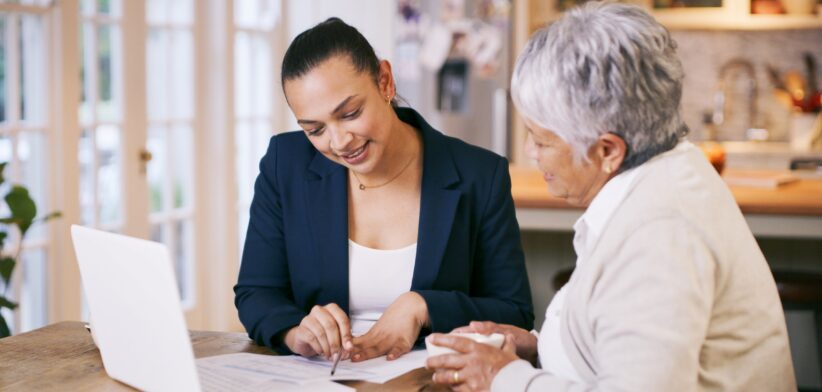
x: 140, y: 117
x: 25, y: 130
x: 136, y: 120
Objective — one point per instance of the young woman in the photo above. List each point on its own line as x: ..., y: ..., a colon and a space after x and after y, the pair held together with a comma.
x: 369, y: 228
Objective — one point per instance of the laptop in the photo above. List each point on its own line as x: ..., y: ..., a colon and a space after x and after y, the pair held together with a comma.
x: 138, y: 321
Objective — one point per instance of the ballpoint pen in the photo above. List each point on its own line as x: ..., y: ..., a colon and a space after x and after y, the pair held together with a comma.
x: 336, y: 361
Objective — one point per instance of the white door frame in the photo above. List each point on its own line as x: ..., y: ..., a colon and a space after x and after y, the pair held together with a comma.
x: 214, y: 158
x: 135, y: 119
x: 64, y: 274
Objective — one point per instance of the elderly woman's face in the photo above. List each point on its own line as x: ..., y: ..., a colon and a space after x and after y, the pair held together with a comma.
x: 576, y: 182
x: 344, y: 113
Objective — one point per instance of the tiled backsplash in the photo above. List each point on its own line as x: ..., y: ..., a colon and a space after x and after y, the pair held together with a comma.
x: 703, y: 53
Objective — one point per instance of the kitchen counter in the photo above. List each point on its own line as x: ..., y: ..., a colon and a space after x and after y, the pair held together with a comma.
x: 791, y: 210
x: 763, y: 155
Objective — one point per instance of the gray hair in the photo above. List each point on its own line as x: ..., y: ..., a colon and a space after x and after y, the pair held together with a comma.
x: 603, y: 68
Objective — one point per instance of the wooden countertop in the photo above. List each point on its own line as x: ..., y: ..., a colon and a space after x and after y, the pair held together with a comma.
x: 62, y: 357
x: 803, y: 197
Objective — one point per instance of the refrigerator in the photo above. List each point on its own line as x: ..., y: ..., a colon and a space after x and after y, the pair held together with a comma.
x: 453, y: 64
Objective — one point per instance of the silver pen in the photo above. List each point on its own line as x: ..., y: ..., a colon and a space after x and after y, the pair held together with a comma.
x: 336, y: 361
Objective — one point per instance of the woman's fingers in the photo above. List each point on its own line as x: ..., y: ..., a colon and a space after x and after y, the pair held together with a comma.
x: 455, y: 342
x: 369, y: 351
x: 448, y: 377
x: 332, y: 330
x: 398, y: 350
x: 373, y: 344
x: 473, y: 367
x: 509, y: 345
x: 481, y: 327
x: 308, y: 345
x: 465, y: 329
x: 362, y: 352
x: 313, y: 325
x: 335, y: 327
x: 484, y: 327
x: 446, y: 361
x: 343, y: 325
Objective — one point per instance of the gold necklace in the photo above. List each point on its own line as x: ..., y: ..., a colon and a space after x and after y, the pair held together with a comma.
x: 364, y: 187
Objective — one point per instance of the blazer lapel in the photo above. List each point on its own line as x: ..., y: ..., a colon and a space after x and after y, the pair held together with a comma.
x: 327, y: 207
x: 438, y: 206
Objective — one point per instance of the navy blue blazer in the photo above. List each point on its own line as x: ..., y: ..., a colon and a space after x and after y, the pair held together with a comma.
x: 469, y: 264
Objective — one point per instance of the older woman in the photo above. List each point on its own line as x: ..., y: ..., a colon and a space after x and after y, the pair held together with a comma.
x: 671, y: 291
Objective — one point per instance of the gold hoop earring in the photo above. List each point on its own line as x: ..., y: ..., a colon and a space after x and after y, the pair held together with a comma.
x: 607, y: 169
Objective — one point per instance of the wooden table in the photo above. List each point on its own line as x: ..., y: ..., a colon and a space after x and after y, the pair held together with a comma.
x: 62, y: 357
x: 792, y: 210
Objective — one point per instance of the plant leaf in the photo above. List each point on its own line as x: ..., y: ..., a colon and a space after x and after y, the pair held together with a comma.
x: 3, y: 236
x: 6, y: 267
x: 5, y: 303
x: 4, y: 328
x: 22, y: 207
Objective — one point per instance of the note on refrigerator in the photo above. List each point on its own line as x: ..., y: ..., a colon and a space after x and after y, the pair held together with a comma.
x: 301, y: 371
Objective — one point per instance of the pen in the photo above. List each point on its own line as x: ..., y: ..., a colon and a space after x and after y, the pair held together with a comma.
x: 336, y: 362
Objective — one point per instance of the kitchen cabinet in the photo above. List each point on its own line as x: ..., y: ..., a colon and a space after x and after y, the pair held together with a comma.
x: 732, y: 15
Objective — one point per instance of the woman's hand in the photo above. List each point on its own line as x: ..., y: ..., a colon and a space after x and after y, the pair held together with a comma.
x: 525, y: 342
x: 325, y: 331
x: 474, y: 365
x: 396, y: 330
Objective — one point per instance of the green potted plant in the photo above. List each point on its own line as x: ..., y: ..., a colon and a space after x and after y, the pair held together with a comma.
x: 23, y: 214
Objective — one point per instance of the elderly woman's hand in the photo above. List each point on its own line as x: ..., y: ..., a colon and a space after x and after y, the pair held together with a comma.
x: 474, y: 365
x: 526, y: 342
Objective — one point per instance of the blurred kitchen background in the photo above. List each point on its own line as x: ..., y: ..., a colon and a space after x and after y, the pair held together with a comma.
x: 149, y: 118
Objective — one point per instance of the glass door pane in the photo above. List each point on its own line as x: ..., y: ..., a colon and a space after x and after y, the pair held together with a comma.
x: 101, y: 114
x: 24, y: 147
x: 170, y: 101
x: 255, y: 24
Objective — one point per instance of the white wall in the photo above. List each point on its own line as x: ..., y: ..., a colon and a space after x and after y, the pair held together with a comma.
x: 373, y: 18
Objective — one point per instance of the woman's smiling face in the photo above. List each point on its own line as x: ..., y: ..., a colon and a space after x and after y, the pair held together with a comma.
x: 345, y: 113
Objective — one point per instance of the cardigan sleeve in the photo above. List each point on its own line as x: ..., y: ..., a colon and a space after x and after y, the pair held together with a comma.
x: 648, y: 314
x: 263, y: 295
x: 500, y: 290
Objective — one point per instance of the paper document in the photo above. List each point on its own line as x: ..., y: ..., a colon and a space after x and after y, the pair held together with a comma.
x: 299, y: 370
x: 217, y: 378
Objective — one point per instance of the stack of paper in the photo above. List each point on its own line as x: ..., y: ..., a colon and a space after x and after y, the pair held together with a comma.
x: 253, y: 372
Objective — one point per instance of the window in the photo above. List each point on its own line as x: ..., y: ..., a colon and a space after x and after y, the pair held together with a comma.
x: 101, y: 116
x: 24, y: 129
x: 255, y: 23
x: 170, y: 103
x: 118, y: 83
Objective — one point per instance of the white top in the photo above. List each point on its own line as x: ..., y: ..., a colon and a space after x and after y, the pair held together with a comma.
x: 553, y: 356
x: 375, y: 279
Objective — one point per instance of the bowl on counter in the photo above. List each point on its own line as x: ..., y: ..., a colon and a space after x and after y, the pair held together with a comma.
x: 715, y: 154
